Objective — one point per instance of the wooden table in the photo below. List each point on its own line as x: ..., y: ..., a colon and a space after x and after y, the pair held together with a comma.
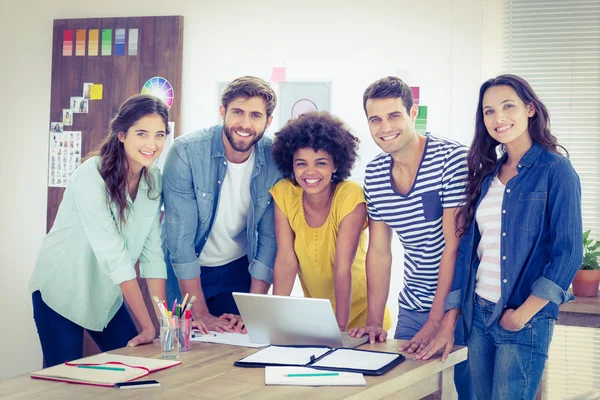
x: 207, y: 372
x: 583, y: 311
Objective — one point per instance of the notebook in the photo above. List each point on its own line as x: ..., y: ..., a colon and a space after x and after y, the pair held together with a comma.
x: 277, y: 376
x: 134, y: 368
x: 325, y: 358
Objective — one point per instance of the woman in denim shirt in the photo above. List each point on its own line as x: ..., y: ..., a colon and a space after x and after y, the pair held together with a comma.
x: 107, y: 220
x: 521, y: 245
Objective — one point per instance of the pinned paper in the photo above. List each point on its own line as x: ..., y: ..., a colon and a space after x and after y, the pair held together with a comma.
x: 93, y: 42
x: 68, y: 42
x: 278, y: 74
x: 80, y: 42
x: 106, y: 42
x: 415, y: 92
x: 119, y: 42
x: 64, y: 157
x: 132, y: 48
x: 96, y: 92
x: 87, y: 87
x: 67, y: 117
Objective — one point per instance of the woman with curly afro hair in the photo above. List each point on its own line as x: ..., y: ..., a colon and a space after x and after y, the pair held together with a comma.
x: 320, y: 217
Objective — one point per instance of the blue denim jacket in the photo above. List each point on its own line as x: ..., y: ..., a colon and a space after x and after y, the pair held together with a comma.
x: 194, y: 170
x: 541, y: 243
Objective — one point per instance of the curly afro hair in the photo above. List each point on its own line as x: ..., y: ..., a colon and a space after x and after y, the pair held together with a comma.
x: 320, y: 131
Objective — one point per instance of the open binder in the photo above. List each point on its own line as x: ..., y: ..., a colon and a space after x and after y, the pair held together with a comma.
x: 116, y: 369
x: 367, y: 362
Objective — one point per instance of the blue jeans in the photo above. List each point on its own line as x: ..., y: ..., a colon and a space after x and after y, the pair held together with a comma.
x: 507, y: 364
x: 410, y: 323
x: 62, y: 339
x: 217, y: 284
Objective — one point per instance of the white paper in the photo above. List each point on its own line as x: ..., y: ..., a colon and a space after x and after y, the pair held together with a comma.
x: 285, y: 355
x: 64, y: 157
x: 354, y: 359
x: 233, y: 339
x: 277, y: 376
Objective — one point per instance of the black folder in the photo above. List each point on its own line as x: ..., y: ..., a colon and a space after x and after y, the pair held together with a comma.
x: 366, y: 362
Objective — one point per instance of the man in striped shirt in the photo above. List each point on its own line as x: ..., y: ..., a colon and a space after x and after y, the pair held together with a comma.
x: 413, y: 188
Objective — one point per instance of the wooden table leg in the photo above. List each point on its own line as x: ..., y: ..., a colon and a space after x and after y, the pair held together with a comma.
x: 447, y: 385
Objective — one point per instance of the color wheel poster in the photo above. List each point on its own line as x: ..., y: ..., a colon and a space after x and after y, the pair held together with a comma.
x: 64, y: 157
x: 161, y: 88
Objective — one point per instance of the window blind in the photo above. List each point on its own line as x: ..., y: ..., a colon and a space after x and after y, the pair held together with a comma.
x: 555, y: 46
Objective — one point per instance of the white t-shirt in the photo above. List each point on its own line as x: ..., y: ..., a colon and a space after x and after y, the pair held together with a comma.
x: 228, y: 240
x: 489, y: 221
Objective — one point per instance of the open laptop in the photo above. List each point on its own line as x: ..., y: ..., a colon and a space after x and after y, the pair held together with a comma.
x: 283, y: 320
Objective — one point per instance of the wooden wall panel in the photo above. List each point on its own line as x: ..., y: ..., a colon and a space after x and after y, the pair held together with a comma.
x: 160, y: 53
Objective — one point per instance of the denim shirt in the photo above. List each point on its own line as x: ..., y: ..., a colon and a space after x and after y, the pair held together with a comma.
x: 194, y: 171
x: 541, y: 242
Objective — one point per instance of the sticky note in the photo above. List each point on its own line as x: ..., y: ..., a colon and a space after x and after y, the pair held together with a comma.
x: 278, y: 74
x: 96, y: 92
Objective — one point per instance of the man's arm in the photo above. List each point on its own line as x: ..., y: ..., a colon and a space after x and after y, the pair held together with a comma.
x: 445, y: 277
x: 261, y: 267
x: 181, y: 225
x: 379, y: 266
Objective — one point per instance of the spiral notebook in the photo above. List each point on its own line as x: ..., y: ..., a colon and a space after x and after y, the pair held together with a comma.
x: 278, y: 376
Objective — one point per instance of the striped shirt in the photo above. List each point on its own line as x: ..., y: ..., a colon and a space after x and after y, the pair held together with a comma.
x: 489, y: 221
x: 417, y: 215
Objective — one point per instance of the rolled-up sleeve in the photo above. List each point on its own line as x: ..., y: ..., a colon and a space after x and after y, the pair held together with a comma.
x: 152, y: 261
x: 262, y: 266
x: 93, y: 207
x: 181, y: 214
x: 565, y: 237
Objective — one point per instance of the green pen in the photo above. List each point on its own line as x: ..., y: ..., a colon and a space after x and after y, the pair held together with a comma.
x: 101, y: 367
x: 315, y: 374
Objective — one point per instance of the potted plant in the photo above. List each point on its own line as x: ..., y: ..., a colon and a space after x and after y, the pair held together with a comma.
x: 587, y: 280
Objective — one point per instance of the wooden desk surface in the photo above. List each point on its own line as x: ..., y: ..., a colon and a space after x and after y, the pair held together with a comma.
x: 583, y: 305
x: 207, y: 372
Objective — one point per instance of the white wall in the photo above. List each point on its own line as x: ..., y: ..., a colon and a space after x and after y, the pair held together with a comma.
x: 350, y: 43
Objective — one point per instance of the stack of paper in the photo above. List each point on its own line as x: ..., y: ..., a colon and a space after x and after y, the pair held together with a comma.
x: 301, y: 376
x: 232, y: 339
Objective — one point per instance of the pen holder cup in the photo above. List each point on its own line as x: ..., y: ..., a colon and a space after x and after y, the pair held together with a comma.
x: 169, y: 338
x: 185, y: 333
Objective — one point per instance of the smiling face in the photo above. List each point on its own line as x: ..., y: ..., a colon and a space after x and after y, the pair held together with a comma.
x: 144, y: 140
x: 392, y: 126
x: 505, y: 115
x: 313, y: 170
x: 244, y: 123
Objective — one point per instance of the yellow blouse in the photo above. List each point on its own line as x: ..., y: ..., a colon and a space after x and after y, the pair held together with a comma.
x: 315, y: 247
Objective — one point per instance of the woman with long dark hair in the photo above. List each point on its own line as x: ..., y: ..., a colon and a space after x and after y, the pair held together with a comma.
x: 521, y: 243
x: 107, y: 220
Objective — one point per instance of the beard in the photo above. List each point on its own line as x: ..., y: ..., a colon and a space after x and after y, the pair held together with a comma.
x: 241, y: 145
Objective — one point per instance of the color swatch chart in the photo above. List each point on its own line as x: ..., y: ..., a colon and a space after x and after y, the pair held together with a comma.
x: 100, y: 40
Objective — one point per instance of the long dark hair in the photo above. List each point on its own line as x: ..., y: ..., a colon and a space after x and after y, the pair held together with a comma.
x: 114, y: 166
x: 484, y: 151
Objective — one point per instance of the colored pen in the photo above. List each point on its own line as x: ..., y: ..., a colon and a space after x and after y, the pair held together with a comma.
x: 315, y: 374
x: 160, y: 306
x: 101, y: 367
x: 174, y: 305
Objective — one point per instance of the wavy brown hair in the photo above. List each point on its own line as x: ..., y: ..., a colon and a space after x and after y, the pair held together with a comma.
x: 485, y: 151
x: 114, y: 166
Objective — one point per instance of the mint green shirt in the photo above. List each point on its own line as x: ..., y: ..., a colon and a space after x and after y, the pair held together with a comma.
x: 87, y: 253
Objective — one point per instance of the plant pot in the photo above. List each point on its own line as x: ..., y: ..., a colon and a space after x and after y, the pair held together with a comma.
x: 586, y: 283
